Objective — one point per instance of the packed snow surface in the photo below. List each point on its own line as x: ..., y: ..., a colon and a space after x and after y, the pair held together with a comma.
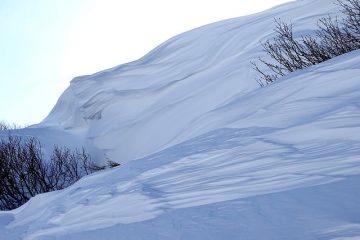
x: 205, y: 152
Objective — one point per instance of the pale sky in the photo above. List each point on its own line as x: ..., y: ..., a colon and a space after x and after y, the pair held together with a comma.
x: 46, y: 43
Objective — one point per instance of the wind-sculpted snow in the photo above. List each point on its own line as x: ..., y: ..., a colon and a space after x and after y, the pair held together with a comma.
x: 295, y: 178
x: 183, y: 79
x: 206, y: 153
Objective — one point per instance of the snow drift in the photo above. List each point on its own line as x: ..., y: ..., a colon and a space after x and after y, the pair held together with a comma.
x: 206, y: 153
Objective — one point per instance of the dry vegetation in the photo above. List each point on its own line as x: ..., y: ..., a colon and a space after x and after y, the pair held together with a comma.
x: 334, y: 37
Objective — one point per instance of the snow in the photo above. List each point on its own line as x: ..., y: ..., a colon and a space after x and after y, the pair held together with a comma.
x: 205, y: 152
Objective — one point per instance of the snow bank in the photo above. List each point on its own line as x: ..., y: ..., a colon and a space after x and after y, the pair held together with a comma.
x: 146, y: 104
x: 208, y: 154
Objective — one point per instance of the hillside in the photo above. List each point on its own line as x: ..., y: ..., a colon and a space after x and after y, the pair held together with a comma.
x: 206, y: 153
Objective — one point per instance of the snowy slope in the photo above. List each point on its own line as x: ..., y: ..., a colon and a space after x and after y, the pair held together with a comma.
x: 207, y: 153
x: 174, y: 85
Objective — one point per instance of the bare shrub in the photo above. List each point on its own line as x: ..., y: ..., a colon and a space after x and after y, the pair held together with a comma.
x: 3, y: 126
x: 288, y: 54
x: 24, y: 172
x: 7, y: 126
x: 351, y: 10
x: 332, y: 38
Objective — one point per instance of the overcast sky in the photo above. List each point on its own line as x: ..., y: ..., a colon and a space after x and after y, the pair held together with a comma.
x: 45, y: 43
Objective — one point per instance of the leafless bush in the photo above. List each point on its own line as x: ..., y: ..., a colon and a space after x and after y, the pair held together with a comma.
x: 351, y: 10
x: 3, y: 126
x: 287, y: 52
x: 332, y: 38
x: 24, y: 172
x: 7, y: 126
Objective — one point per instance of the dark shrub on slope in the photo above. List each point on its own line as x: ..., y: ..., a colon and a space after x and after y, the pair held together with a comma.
x: 24, y: 172
x: 288, y: 53
x: 7, y: 126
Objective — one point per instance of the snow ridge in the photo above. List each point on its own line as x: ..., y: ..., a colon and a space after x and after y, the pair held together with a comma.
x: 206, y: 153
